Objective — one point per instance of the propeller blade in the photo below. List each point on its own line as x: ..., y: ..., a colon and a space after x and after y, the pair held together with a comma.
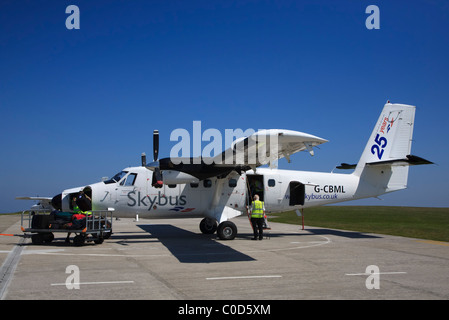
x: 144, y: 159
x: 157, y: 174
x: 155, y: 145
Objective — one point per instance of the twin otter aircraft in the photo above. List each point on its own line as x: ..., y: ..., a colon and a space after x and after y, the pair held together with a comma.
x: 220, y: 188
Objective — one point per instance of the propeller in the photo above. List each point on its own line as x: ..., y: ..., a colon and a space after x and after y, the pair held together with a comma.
x: 155, y: 145
x: 157, y: 175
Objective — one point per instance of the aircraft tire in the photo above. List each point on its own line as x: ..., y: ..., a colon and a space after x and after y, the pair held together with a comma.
x: 208, y: 226
x: 227, y: 230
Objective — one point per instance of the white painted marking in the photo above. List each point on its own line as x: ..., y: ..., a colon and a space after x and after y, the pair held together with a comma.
x: 42, y: 251
x: 311, y: 242
x: 99, y: 282
x: 102, y: 254
x: 244, y: 277
x: 9, y: 267
x: 368, y: 274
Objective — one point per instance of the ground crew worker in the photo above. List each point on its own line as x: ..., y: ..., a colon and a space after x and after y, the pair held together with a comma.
x: 257, y: 214
x: 76, y: 210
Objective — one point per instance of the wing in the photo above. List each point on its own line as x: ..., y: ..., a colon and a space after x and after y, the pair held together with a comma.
x: 44, y: 202
x: 260, y: 148
x: 47, y: 199
x: 266, y: 146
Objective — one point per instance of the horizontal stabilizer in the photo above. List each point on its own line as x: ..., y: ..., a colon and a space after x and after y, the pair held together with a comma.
x: 410, y: 160
x: 345, y: 166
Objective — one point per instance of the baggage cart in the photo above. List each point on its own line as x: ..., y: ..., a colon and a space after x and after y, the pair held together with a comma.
x: 37, y: 225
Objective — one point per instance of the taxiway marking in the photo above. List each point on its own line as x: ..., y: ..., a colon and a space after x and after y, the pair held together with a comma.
x: 98, y: 282
x: 368, y: 274
x: 244, y: 277
x: 441, y: 243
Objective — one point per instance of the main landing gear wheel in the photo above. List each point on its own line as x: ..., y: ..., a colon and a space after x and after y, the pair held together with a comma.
x: 208, y: 226
x: 227, y: 230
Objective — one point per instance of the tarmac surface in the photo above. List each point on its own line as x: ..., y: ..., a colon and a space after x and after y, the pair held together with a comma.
x: 171, y: 259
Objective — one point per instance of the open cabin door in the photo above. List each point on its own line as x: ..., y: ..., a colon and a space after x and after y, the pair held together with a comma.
x: 297, y: 193
x: 268, y: 187
x: 255, y: 185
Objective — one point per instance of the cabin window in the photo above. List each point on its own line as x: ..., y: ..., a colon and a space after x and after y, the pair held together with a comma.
x: 271, y: 182
x: 172, y: 186
x: 194, y: 185
x: 232, y: 183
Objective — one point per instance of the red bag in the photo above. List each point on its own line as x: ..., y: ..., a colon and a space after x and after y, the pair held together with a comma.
x: 78, y: 216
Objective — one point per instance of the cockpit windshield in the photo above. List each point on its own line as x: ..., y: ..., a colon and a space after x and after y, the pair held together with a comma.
x: 116, y: 178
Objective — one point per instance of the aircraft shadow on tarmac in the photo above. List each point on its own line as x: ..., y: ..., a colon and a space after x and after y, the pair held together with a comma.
x: 319, y: 232
x: 189, y: 247
x: 342, y: 233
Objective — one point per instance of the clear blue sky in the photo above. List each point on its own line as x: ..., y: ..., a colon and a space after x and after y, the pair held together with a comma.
x: 78, y: 105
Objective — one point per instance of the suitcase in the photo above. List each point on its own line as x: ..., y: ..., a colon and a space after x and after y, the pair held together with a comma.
x: 78, y: 224
x: 83, y: 203
x: 40, y: 221
x: 56, y: 215
x: 58, y: 224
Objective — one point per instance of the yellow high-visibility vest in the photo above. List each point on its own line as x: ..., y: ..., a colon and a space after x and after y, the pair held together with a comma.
x: 257, y: 209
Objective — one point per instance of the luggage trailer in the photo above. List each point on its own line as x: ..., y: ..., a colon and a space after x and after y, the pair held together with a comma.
x: 98, y: 226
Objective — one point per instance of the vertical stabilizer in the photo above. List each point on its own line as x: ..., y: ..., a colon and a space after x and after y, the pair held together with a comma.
x: 390, y: 140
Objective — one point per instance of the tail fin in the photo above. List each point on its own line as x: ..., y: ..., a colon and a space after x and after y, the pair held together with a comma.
x: 385, y: 160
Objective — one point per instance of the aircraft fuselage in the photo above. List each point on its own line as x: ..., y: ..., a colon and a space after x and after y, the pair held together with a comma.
x: 281, y: 190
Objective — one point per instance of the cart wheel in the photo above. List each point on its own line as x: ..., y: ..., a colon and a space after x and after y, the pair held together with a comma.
x: 79, y: 240
x: 37, y: 238
x: 99, y: 240
x: 48, y: 237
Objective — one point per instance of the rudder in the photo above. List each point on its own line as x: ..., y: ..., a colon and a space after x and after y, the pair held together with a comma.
x: 390, y: 141
x: 391, y: 138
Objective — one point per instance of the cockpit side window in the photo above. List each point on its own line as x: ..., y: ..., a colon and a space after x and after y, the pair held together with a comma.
x: 116, y: 178
x: 130, y: 179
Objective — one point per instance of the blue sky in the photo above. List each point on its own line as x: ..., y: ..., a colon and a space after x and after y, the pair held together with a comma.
x: 78, y: 105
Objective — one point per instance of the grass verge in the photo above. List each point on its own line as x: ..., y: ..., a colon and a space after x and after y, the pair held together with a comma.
x: 413, y: 222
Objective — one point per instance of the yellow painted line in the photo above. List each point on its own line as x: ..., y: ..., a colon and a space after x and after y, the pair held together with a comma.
x: 441, y: 243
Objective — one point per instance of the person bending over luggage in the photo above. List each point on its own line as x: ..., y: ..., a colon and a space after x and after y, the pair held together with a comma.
x: 76, y: 210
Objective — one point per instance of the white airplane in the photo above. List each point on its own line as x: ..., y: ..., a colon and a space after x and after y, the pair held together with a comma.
x: 220, y: 188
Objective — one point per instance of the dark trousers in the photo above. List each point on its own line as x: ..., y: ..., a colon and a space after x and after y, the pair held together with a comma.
x: 257, y: 227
